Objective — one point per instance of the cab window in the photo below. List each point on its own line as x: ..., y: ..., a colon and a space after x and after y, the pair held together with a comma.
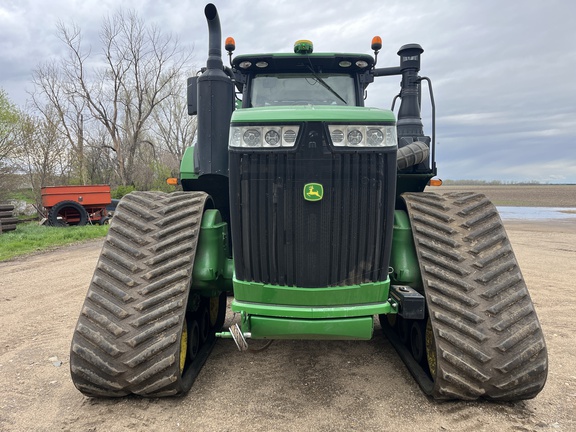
x: 302, y: 89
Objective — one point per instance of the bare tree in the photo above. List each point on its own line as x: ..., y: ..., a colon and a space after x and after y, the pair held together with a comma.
x: 173, y: 128
x: 66, y: 108
x: 138, y: 71
x: 101, y: 160
x: 42, y: 152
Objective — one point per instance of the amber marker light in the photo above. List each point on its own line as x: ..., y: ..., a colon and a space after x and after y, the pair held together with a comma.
x: 172, y: 181
x: 435, y: 182
x: 376, y: 43
x: 230, y: 44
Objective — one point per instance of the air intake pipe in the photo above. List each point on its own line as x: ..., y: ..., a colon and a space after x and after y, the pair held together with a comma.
x: 215, y: 104
x: 412, y: 154
x: 409, y: 116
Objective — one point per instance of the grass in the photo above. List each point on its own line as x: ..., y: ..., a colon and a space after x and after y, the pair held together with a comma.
x: 31, y: 237
x: 22, y: 195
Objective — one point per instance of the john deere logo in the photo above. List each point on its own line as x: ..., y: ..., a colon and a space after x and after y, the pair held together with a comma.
x: 313, y: 192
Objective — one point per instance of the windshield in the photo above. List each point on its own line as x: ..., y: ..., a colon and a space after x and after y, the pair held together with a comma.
x: 303, y: 89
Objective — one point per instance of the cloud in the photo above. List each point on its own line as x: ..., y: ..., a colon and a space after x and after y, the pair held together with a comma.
x: 501, y: 70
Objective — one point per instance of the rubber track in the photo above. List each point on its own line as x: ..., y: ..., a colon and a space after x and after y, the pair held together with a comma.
x: 127, y: 339
x: 489, y: 341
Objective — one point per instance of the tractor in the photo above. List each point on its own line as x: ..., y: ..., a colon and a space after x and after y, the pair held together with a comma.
x: 309, y: 208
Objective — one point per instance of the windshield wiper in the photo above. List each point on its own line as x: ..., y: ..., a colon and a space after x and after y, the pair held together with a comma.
x: 326, y: 85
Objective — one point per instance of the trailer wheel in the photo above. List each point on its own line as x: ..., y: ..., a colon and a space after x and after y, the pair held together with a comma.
x: 67, y: 213
x: 104, y: 221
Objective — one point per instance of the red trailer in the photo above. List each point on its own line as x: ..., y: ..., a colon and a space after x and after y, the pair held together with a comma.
x: 76, y: 205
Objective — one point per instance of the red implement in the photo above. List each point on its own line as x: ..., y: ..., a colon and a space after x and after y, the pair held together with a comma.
x: 76, y: 205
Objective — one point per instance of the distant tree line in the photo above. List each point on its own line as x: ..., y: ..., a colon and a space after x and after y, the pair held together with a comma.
x: 113, y: 114
x: 487, y: 183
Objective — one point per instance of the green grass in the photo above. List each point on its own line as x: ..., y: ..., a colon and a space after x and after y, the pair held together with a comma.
x: 31, y: 237
x: 19, y: 194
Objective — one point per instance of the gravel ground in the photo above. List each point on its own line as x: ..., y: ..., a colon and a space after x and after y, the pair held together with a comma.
x: 292, y: 385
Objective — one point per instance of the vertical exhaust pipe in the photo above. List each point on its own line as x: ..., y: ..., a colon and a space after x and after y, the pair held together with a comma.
x: 214, y: 38
x: 215, y: 103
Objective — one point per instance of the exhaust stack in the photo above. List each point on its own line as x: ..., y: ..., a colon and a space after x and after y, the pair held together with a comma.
x: 215, y: 103
x: 214, y: 38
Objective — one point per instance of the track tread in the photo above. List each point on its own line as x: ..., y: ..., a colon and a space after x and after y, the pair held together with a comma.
x: 127, y: 339
x: 489, y: 341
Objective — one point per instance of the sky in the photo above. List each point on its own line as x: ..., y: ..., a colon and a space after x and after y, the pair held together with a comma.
x: 503, y: 72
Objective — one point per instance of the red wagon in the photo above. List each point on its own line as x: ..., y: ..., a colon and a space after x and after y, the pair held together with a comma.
x: 76, y: 205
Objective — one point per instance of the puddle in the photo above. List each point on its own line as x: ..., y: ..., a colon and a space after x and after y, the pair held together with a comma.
x: 536, y: 213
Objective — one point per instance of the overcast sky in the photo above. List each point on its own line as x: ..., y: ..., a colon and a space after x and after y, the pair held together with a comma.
x: 503, y: 71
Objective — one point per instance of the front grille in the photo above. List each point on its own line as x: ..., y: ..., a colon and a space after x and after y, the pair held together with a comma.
x: 280, y: 238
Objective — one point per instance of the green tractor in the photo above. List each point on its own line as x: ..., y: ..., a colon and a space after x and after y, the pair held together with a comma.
x: 310, y: 208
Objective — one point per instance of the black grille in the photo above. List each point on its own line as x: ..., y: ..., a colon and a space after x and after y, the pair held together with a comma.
x: 280, y: 238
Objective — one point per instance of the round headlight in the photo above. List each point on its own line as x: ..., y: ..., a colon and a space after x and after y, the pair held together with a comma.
x: 355, y: 137
x: 251, y: 137
x: 272, y: 138
x: 375, y: 137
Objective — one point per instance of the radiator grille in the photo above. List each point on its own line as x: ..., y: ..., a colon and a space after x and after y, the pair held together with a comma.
x: 280, y: 238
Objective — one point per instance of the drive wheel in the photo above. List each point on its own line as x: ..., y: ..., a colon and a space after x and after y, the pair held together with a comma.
x: 133, y: 333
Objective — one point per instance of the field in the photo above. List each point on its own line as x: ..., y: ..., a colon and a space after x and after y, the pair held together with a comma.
x: 520, y: 195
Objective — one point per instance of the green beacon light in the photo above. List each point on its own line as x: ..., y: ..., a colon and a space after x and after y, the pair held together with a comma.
x: 303, y: 46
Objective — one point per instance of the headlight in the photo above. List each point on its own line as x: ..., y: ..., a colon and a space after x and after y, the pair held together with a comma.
x: 252, y: 137
x: 363, y: 135
x: 263, y: 136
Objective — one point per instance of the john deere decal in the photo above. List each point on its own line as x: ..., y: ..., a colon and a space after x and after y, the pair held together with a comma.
x: 313, y: 191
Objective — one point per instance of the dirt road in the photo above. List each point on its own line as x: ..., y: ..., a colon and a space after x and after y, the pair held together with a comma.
x: 291, y: 386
